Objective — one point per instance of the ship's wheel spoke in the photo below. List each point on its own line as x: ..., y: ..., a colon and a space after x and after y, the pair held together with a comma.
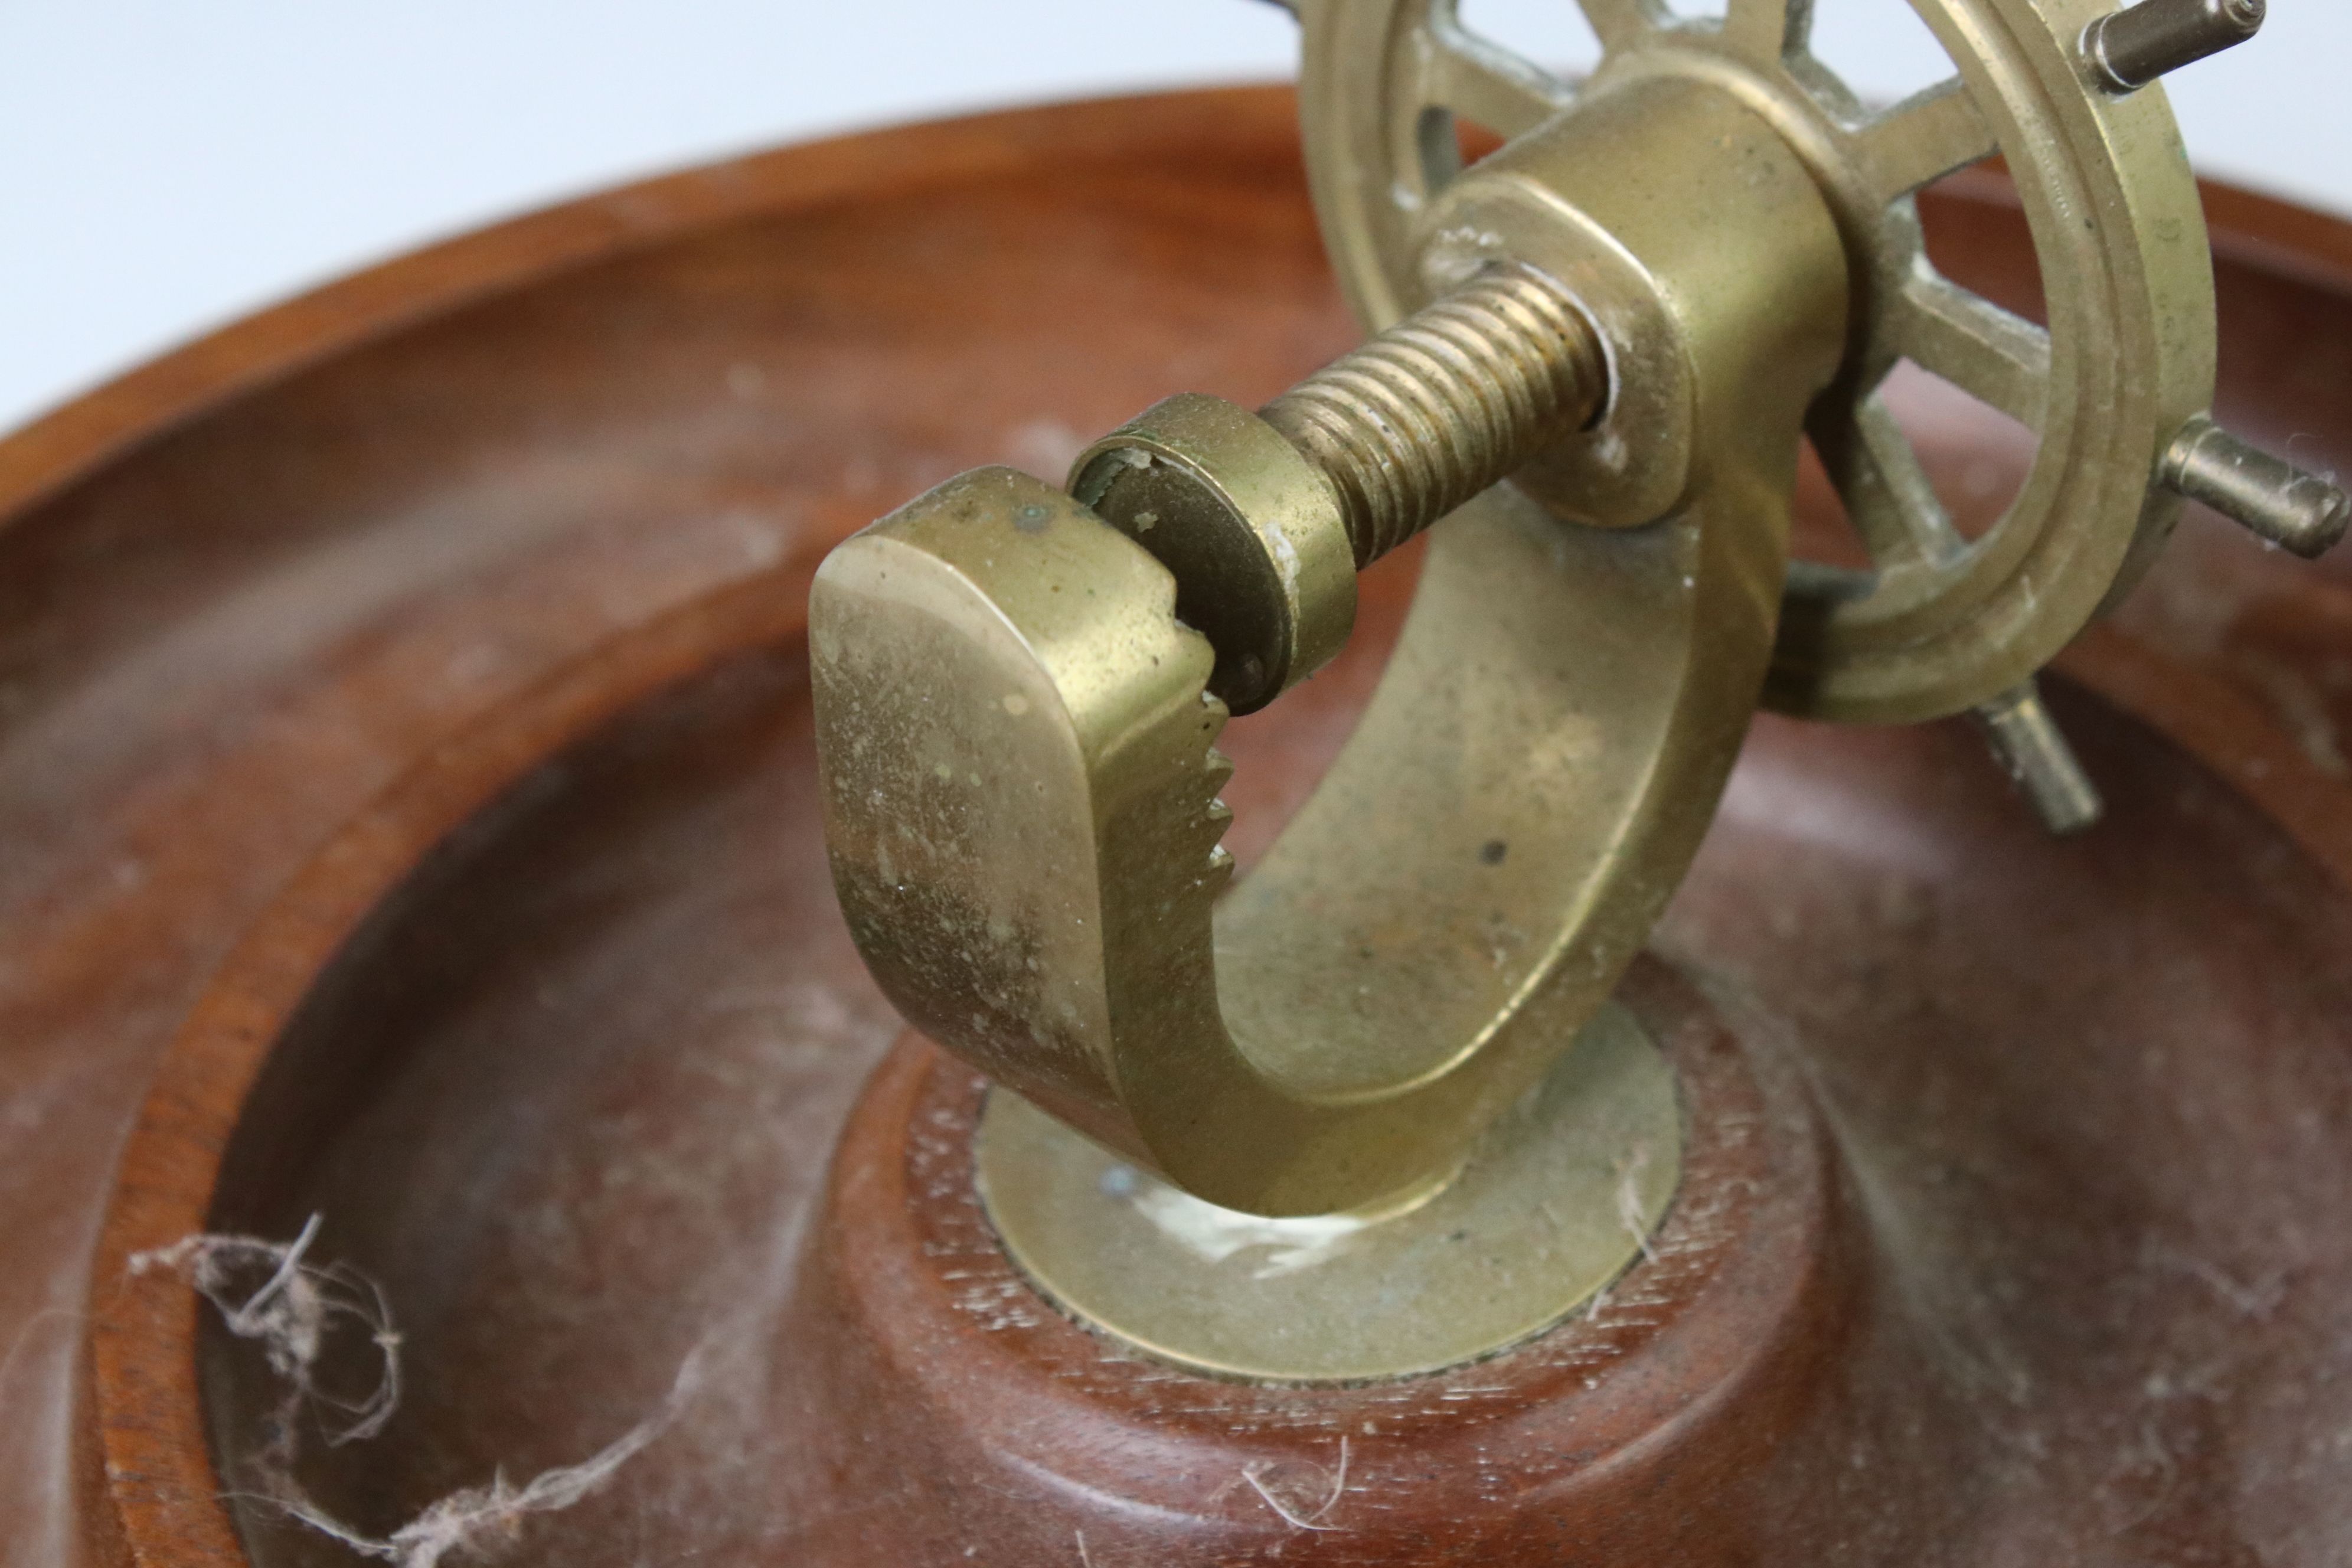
x: 1766, y: 30
x: 1620, y: 22
x: 1924, y: 138
x: 1887, y: 496
x: 1995, y: 356
x: 1488, y: 85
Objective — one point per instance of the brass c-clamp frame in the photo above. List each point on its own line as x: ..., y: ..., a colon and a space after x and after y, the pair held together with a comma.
x: 1635, y: 310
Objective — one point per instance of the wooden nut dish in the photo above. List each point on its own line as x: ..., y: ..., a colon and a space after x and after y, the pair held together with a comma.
x: 408, y: 778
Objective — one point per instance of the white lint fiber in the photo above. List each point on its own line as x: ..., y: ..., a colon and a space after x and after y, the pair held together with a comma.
x: 294, y: 1312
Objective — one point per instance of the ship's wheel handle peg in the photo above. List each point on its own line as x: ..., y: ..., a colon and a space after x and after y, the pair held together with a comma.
x: 2298, y: 512
x: 2133, y: 47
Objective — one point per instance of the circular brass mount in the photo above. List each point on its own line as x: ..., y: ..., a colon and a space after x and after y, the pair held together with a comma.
x: 1554, y: 1203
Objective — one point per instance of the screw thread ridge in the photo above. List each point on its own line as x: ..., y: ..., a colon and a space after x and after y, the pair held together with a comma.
x: 1445, y: 403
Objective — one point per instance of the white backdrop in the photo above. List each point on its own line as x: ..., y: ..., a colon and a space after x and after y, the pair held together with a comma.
x: 168, y: 164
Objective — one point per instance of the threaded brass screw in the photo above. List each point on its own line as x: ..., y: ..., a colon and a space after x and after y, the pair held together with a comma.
x: 1444, y: 404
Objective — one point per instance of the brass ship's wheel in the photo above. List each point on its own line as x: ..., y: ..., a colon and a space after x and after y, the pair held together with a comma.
x: 2123, y: 369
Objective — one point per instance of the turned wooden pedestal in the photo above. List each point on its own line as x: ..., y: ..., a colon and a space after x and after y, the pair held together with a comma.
x: 407, y: 818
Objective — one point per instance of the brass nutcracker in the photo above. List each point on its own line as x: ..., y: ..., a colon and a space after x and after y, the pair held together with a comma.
x: 1597, y: 351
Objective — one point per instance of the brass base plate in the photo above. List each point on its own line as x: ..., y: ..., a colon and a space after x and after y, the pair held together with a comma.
x: 1551, y: 1207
